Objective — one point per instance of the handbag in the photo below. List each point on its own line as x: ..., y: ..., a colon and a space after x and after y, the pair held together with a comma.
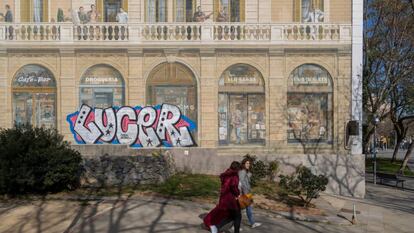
x: 245, y: 200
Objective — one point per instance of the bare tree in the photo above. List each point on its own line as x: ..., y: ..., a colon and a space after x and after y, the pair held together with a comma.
x: 388, y: 61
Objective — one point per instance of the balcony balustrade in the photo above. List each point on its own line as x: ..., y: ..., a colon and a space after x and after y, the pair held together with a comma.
x: 100, y: 32
x: 31, y: 32
x: 207, y: 33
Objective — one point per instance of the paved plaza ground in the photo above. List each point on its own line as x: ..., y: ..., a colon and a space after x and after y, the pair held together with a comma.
x: 385, y: 209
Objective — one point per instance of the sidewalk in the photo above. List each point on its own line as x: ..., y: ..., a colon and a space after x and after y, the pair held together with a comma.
x: 385, y: 209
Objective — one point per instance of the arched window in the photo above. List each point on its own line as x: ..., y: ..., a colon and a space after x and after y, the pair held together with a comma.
x: 309, y: 11
x: 242, y: 118
x: 34, y: 97
x: 229, y: 10
x: 173, y: 83
x: 102, y: 86
x: 156, y: 11
x: 309, y: 103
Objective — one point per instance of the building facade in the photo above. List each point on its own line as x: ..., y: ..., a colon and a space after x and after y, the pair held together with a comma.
x: 271, y: 77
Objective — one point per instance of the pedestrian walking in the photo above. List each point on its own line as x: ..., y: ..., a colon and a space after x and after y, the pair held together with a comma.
x: 245, y: 187
x: 228, y: 208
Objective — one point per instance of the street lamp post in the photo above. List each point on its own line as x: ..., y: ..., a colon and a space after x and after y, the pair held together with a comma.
x: 375, y: 121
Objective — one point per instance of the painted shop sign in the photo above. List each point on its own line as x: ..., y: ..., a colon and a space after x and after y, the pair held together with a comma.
x: 40, y: 79
x: 242, y: 75
x: 158, y: 126
x: 318, y: 80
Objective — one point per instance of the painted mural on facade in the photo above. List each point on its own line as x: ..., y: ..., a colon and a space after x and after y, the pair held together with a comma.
x: 151, y: 126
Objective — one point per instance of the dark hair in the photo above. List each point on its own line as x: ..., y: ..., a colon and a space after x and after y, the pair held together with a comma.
x: 244, y: 161
x: 7, y: 6
x: 235, y: 165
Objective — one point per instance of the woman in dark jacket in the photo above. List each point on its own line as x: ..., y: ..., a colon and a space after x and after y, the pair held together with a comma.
x: 228, y: 207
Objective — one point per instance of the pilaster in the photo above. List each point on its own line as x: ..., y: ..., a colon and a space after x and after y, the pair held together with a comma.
x: 3, y: 88
x: 208, y: 99
x: 67, y: 91
x: 276, y: 98
x: 136, y: 85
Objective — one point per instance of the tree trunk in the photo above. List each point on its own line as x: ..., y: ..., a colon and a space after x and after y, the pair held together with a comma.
x: 406, y: 158
x: 396, y: 149
x: 367, y: 140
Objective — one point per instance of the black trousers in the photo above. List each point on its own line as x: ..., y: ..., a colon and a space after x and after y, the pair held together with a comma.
x: 235, y: 217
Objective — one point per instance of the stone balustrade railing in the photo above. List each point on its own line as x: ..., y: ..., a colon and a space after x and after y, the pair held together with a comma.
x: 242, y: 32
x: 171, y: 32
x: 313, y: 32
x: 274, y: 33
x: 30, y: 32
x: 101, y: 32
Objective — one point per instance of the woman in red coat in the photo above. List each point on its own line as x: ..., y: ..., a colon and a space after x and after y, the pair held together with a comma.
x: 228, y: 207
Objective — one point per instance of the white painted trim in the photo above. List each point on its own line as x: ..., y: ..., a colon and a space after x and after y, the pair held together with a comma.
x: 327, y: 6
x: 17, y: 17
x: 357, y: 56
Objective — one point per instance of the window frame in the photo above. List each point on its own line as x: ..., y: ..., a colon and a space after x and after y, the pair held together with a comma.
x: 247, y: 91
x: 312, y: 90
x: 242, y: 11
x: 32, y: 91
x: 186, y: 19
x: 151, y: 84
x: 157, y: 10
x: 297, y: 9
x: 82, y: 85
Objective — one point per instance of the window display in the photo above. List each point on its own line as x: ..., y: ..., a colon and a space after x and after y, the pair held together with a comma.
x: 309, y: 103
x: 241, y: 107
x: 102, y: 86
x: 34, y: 97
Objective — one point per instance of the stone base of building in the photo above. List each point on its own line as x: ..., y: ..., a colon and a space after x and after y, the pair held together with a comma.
x: 113, y: 169
x: 346, y: 172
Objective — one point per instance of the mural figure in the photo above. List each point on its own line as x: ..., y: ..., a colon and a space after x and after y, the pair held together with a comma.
x: 200, y: 16
x: 162, y: 125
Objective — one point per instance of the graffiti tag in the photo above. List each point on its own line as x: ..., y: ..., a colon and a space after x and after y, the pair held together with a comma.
x: 162, y: 125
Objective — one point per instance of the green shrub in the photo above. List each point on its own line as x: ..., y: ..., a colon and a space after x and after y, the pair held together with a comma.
x: 261, y: 170
x: 304, y: 184
x: 36, y: 160
x: 272, y: 170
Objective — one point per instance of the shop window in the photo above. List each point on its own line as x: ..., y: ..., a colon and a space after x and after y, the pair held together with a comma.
x: 229, y: 10
x: 309, y: 11
x: 309, y: 105
x: 174, y: 83
x: 242, y: 118
x: 34, y: 97
x: 102, y: 86
x: 156, y: 11
x: 184, y: 10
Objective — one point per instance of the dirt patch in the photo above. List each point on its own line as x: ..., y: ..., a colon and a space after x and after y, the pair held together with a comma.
x: 262, y: 202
